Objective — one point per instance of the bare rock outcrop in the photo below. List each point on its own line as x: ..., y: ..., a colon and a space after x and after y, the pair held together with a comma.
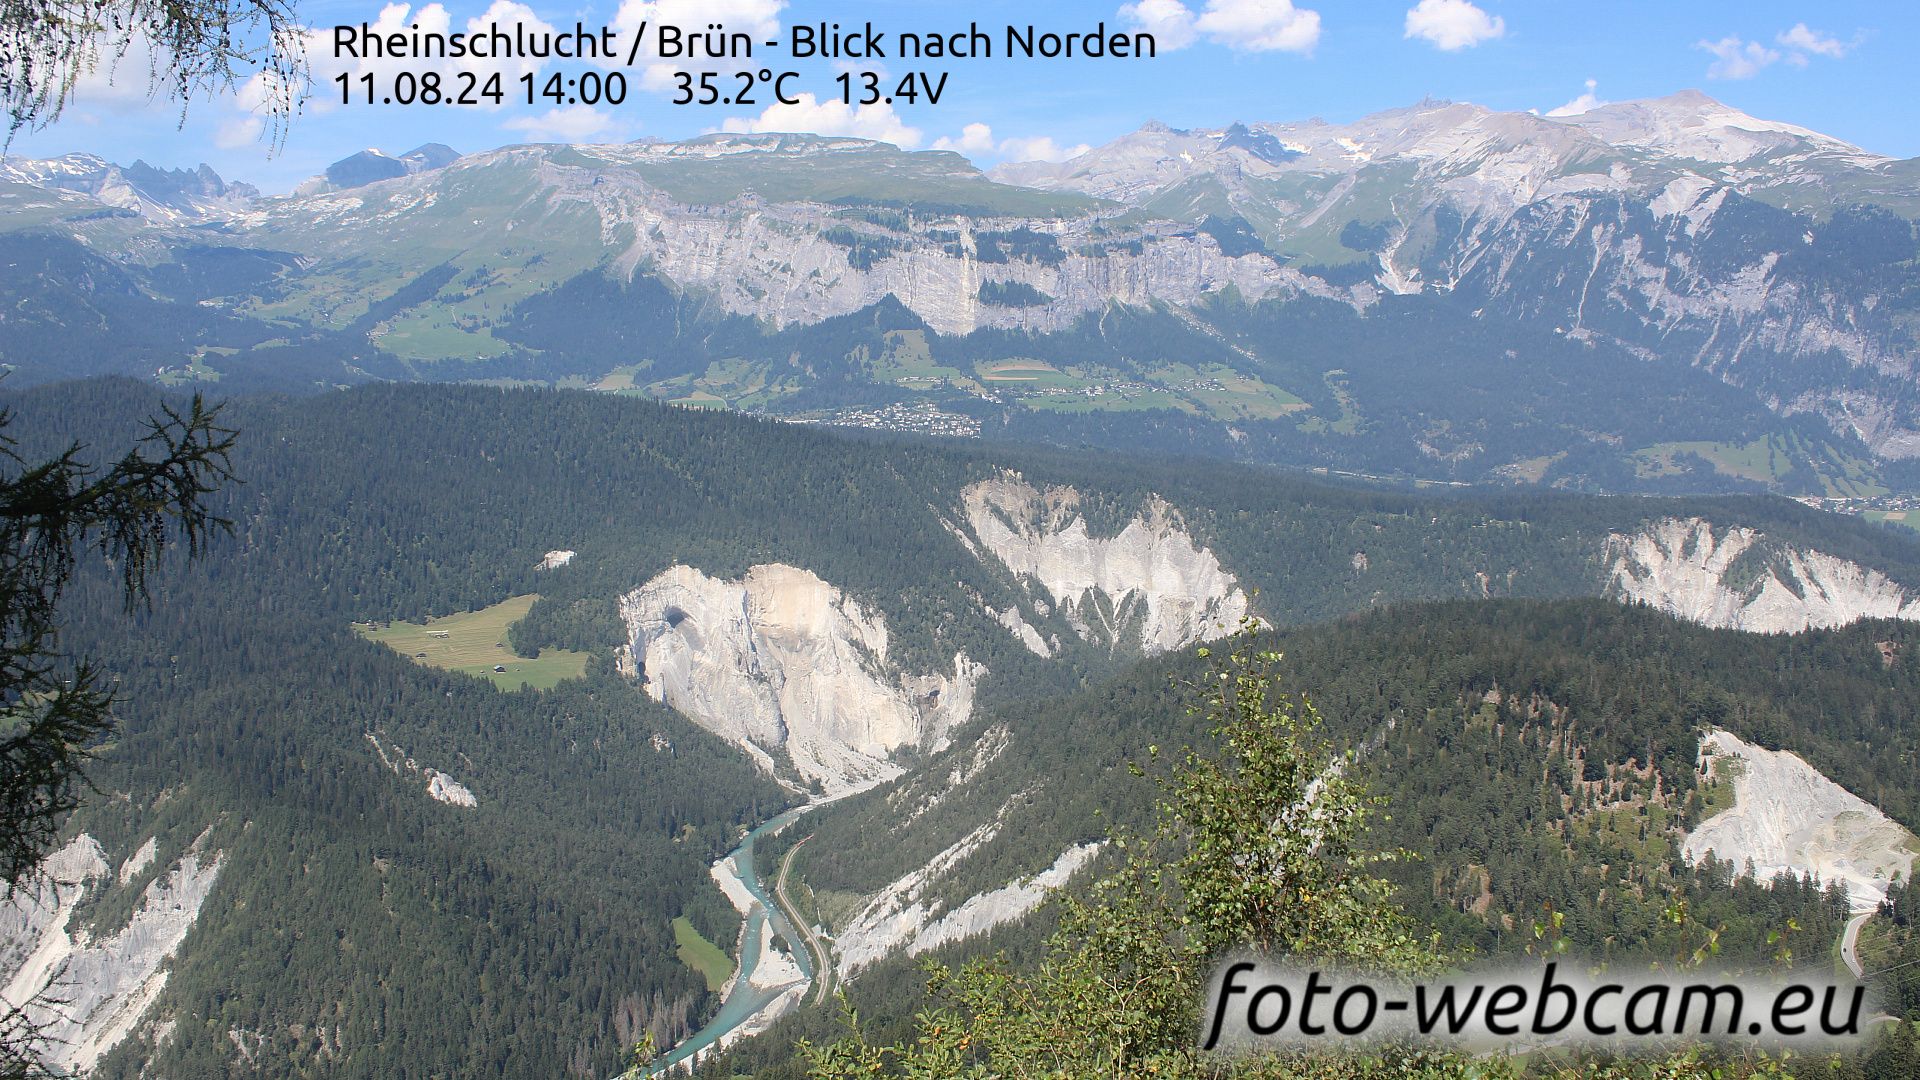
x: 1787, y: 816
x: 441, y: 787
x: 904, y: 916
x: 1733, y: 579
x: 1151, y: 585
x: 89, y: 991
x: 781, y: 663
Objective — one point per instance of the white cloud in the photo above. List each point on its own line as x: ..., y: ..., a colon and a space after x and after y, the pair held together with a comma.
x: 238, y: 132
x: 252, y: 100
x: 1260, y: 25
x: 507, y: 14
x: 1039, y: 148
x: 877, y: 122
x: 572, y: 124
x: 120, y: 79
x: 1737, y: 58
x: 977, y: 141
x: 1805, y: 42
x: 1169, y: 21
x: 1453, y: 24
x: 432, y: 18
x: 974, y: 139
x: 1241, y: 25
x: 1586, y: 102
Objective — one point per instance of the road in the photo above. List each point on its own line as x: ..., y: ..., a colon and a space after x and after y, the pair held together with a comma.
x: 1850, y: 943
x: 745, y: 1000
x: 822, y: 964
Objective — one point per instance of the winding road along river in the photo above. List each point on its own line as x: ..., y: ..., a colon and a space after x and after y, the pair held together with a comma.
x: 744, y: 999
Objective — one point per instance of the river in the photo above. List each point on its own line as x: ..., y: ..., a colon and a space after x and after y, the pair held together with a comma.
x: 744, y: 999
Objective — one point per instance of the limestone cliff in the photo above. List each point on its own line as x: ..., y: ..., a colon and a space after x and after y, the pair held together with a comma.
x: 906, y: 916
x: 88, y: 991
x: 1149, y: 586
x: 783, y: 665
x: 1732, y: 578
x: 1787, y: 816
x: 901, y: 919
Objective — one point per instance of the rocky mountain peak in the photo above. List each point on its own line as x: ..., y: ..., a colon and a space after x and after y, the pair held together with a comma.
x: 157, y: 194
x: 372, y: 165
x: 1692, y: 125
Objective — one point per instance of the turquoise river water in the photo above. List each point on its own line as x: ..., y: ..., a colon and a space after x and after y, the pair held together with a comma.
x: 746, y: 999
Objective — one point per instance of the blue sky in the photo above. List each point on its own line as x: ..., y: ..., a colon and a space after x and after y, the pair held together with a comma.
x: 1844, y: 68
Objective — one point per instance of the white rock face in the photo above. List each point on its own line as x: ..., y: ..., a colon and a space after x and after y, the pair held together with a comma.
x: 554, y: 560
x: 446, y: 789
x: 984, y: 911
x: 138, y: 861
x: 782, y: 662
x: 901, y: 918
x: 104, y: 986
x: 769, y: 260
x: 910, y: 802
x: 1681, y: 566
x: 896, y: 914
x: 441, y: 787
x: 1022, y: 629
x: 1152, y: 572
x: 1787, y: 816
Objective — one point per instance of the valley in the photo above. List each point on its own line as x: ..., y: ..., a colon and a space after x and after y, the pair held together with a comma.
x: 686, y: 594
x: 753, y: 998
x: 948, y: 673
x: 1440, y: 293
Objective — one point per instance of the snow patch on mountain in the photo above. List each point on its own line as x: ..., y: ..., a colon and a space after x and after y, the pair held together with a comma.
x: 1787, y: 816
x: 88, y: 993
x: 781, y: 663
x: 161, y: 196
x: 1734, y: 579
x: 1152, y: 573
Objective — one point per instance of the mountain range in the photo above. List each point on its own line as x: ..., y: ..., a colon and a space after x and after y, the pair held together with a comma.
x: 1657, y: 295
x: 605, y: 508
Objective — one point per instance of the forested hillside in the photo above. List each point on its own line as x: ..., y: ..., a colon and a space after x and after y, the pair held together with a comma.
x: 1522, y: 746
x: 1535, y: 760
x: 365, y: 920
